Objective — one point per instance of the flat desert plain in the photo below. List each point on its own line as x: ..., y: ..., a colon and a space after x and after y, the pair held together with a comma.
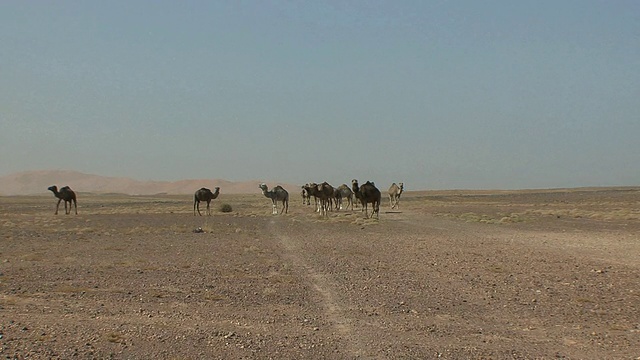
x: 540, y: 274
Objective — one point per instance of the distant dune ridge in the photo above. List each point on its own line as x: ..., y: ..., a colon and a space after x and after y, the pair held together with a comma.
x: 36, y: 182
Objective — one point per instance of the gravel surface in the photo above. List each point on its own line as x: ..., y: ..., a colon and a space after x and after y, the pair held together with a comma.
x: 448, y: 275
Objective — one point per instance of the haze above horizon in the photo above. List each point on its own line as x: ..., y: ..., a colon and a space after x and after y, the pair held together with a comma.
x: 435, y: 94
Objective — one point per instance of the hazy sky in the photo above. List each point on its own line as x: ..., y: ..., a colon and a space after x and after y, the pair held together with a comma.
x: 437, y: 94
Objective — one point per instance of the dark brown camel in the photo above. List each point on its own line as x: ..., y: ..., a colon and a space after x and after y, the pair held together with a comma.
x: 356, y: 192
x: 306, y: 198
x: 204, y: 194
x: 312, y: 190
x: 325, y: 194
x: 65, y: 194
x: 322, y: 193
x: 369, y: 193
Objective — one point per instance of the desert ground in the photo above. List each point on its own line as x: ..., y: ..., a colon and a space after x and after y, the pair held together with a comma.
x: 539, y: 274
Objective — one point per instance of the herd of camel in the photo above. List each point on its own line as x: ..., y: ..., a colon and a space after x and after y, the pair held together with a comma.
x: 326, y: 197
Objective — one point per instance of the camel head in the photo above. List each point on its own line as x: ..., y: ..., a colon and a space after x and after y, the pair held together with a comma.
x: 263, y: 187
x: 354, y: 186
x: 53, y: 188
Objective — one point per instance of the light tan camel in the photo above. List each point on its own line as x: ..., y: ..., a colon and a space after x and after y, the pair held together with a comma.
x: 65, y: 194
x: 394, y: 194
x: 204, y: 194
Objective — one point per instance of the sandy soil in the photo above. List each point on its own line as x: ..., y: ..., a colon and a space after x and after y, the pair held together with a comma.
x: 449, y: 275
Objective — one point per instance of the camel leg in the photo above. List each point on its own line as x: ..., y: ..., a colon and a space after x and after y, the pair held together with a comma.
x: 75, y: 205
x: 57, y: 206
x: 208, y: 209
x: 196, y: 205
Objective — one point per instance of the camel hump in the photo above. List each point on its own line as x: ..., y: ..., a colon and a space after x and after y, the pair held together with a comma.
x: 65, y: 188
x: 204, y: 189
x: 280, y: 188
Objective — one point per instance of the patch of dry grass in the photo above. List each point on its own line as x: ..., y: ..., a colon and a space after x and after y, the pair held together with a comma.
x: 9, y: 300
x: 115, y: 338
x: 36, y: 256
x: 604, y: 214
x: 496, y: 269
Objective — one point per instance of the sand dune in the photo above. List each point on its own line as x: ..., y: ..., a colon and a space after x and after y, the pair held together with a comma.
x: 36, y: 182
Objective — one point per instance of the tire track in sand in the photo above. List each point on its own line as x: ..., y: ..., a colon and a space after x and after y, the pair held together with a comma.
x: 328, y: 296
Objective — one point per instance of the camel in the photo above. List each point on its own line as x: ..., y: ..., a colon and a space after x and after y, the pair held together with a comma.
x: 276, y: 194
x: 65, y: 194
x: 204, y: 194
x: 306, y: 197
x: 369, y: 193
x: 312, y: 190
x: 326, y: 194
x: 356, y: 192
x: 323, y: 192
x: 394, y: 194
x: 343, y: 192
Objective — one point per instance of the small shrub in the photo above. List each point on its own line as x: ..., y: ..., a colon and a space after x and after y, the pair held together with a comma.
x: 225, y: 208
